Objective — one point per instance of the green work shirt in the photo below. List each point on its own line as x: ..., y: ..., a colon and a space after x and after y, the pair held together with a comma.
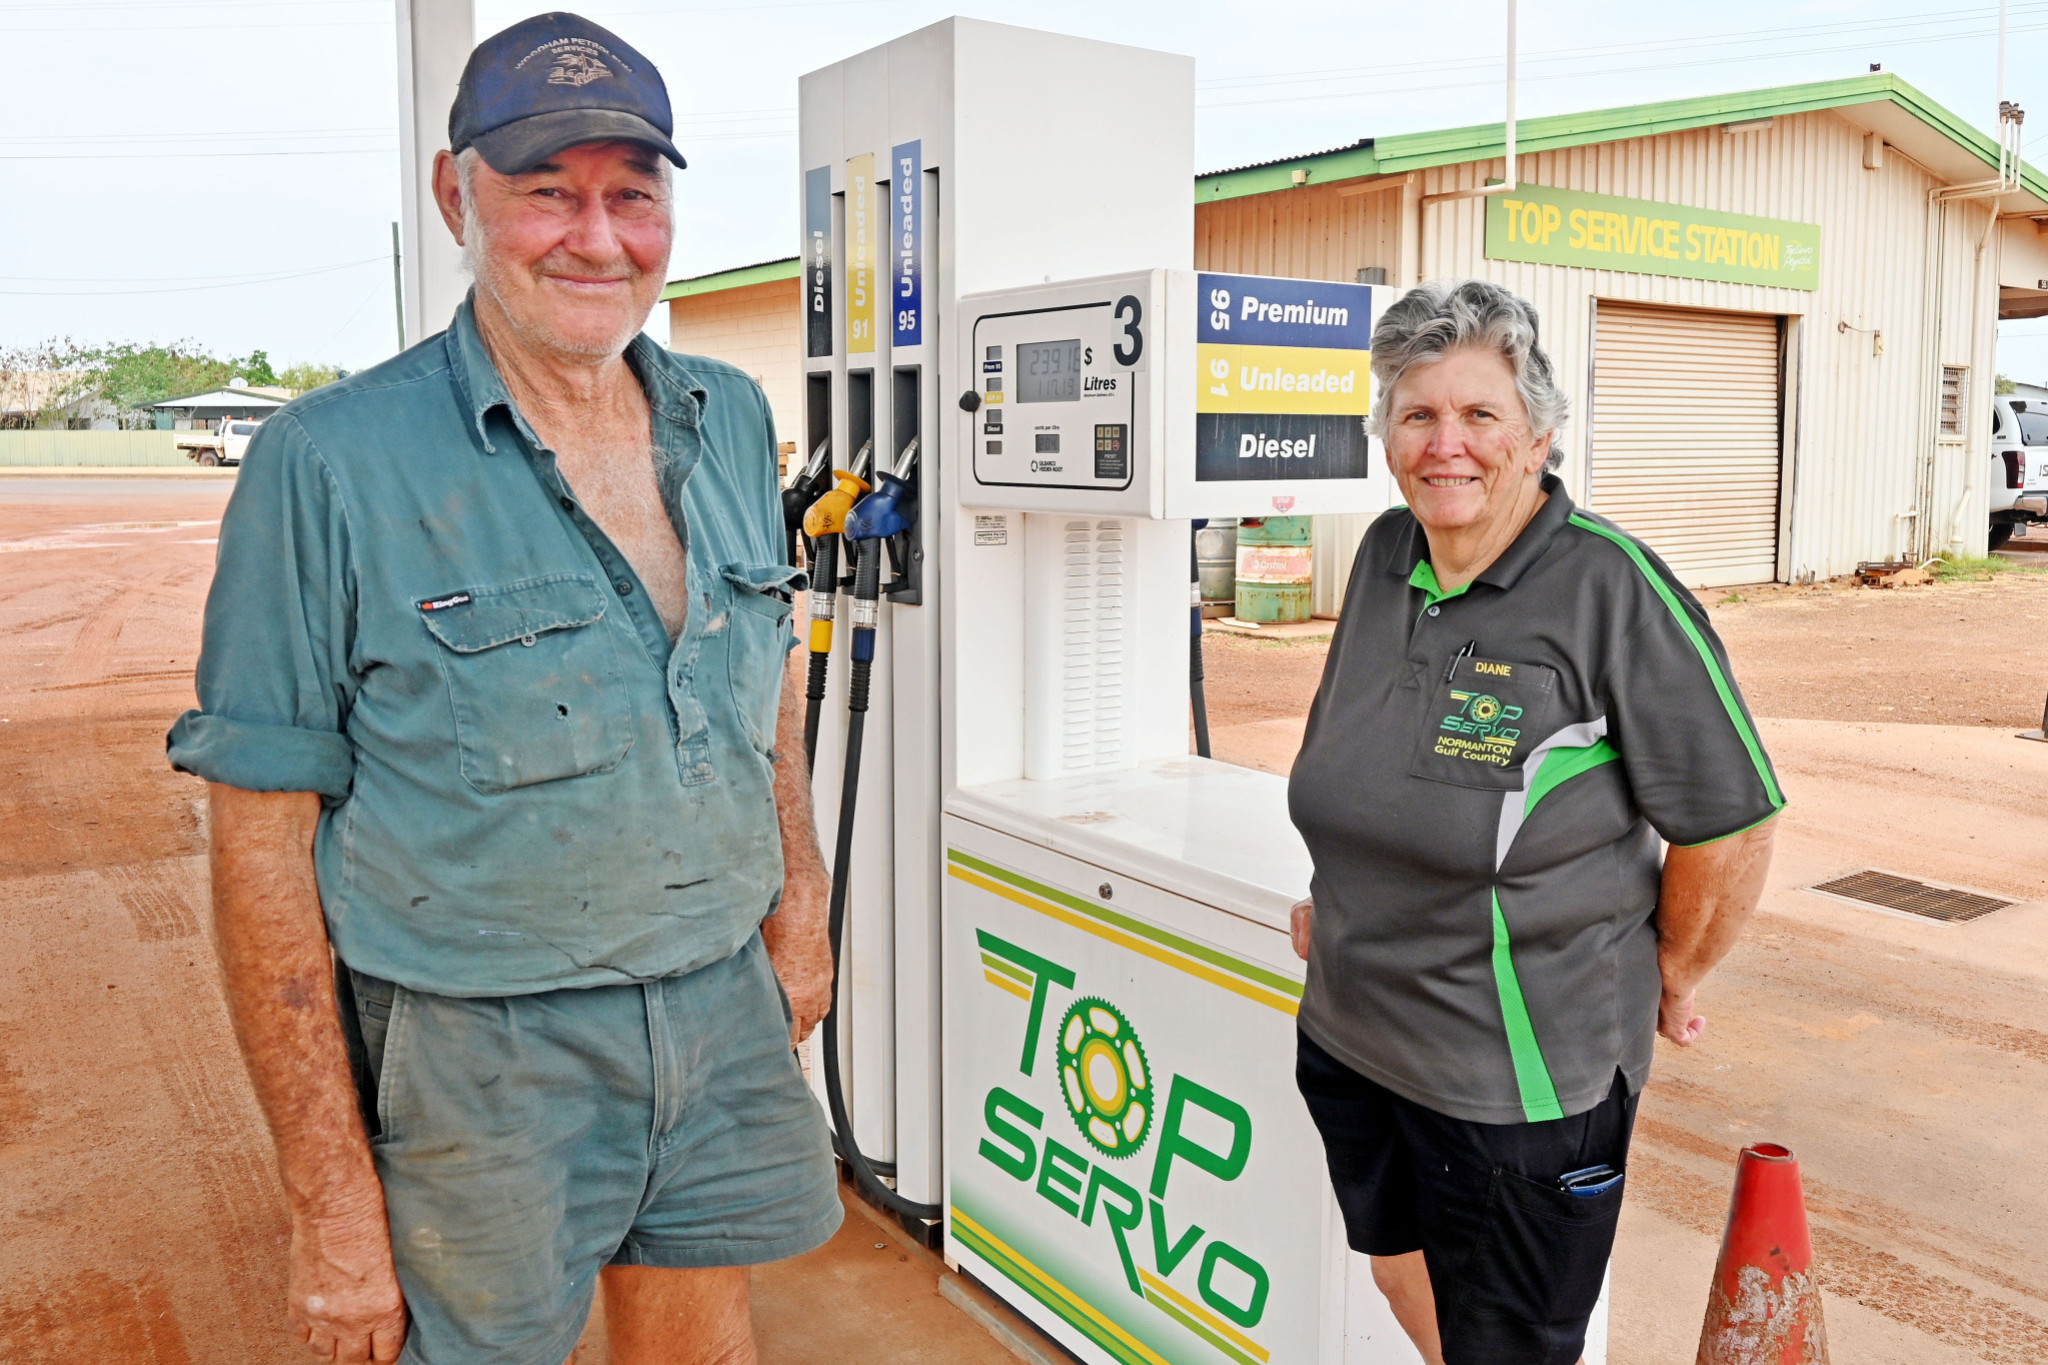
x: 1482, y: 784
x: 524, y: 784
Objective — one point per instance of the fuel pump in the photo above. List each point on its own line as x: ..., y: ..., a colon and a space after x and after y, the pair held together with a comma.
x: 823, y: 523
x: 1065, y: 996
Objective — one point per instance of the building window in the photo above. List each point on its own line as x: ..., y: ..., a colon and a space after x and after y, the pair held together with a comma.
x: 1955, y: 397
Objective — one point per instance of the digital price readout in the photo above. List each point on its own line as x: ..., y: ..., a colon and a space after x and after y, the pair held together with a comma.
x: 1049, y: 372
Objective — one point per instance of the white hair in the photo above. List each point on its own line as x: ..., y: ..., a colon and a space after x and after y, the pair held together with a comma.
x: 1435, y: 318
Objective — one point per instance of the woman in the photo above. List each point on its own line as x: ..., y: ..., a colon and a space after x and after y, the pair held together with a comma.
x: 1519, y: 701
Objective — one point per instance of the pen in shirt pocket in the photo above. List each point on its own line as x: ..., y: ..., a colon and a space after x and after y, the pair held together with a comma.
x: 1451, y: 670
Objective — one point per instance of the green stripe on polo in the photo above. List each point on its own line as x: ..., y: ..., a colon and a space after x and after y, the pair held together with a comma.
x: 1722, y: 687
x: 1532, y: 1075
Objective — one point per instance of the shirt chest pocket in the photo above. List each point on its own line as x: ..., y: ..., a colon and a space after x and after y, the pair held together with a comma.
x: 759, y: 643
x: 1483, y: 720
x: 534, y: 678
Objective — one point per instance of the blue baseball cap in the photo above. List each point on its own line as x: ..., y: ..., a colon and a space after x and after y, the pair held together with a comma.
x: 556, y: 81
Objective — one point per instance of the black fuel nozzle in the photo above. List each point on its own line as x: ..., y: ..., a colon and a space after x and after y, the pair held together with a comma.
x: 806, y: 488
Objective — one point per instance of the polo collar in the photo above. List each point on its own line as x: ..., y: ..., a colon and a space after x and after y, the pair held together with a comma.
x: 673, y: 392
x: 1410, y: 552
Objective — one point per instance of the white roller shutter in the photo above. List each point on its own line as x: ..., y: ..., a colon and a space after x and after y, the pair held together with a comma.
x: 1686, y: 440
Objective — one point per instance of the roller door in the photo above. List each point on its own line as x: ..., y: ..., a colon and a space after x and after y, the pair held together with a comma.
x: 1686, y: 444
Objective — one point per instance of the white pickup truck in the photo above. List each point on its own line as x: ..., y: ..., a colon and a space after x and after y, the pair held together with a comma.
x: 222, y: 446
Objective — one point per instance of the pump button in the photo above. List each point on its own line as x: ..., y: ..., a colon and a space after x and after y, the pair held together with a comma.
x: 970, y: 401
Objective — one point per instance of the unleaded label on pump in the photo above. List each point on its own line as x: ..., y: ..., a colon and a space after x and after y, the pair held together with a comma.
x: 991, y: 530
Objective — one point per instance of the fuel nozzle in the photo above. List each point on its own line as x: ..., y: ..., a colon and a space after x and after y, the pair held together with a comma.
x: 823, y: 521
x: 827, y: 516
x: 805, y: 489
x: 889, y: 515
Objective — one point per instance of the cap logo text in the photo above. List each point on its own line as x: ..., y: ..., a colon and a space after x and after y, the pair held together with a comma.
x: 576, y: 61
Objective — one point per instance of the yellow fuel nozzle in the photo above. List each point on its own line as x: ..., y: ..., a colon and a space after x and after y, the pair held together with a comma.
x: 827, y: 516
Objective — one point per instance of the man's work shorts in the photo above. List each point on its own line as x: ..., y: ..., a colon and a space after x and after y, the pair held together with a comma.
x: 526, y: 1141
x: 1514, y: 1261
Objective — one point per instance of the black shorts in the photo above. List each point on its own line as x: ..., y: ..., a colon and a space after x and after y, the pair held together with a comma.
x: 1514, y: 1261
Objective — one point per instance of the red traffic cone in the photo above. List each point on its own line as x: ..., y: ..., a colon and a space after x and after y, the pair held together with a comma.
x: 1764, y: 1308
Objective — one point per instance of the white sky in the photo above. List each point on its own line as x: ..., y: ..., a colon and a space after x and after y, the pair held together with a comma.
x: 167, y: 164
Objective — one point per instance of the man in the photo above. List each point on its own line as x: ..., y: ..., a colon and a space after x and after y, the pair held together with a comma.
x: 489, y: 690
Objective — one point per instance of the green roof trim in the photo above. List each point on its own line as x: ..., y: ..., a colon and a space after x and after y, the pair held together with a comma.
x: 1484, y: 141
x: 789, y: 268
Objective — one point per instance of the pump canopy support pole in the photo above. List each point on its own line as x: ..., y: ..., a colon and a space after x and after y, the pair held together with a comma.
x: 434, y: 42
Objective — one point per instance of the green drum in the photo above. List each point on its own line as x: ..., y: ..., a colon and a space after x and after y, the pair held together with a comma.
x: 1273, y: 569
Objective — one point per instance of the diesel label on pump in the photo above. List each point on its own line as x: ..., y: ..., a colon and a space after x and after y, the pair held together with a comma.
x: 1283, y: 378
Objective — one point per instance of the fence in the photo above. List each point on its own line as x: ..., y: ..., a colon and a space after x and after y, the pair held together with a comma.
x: 19, y: 448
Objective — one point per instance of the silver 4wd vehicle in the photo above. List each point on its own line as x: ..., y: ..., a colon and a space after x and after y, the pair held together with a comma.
x: 2019, y: 465
x: 225, y: 446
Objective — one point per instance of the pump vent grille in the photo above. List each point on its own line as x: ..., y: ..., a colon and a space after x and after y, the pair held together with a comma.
x: 1911, y: 897
x: 1092, y: 646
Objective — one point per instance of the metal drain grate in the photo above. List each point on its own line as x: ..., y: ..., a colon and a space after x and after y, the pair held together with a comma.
x: 1914, y: 898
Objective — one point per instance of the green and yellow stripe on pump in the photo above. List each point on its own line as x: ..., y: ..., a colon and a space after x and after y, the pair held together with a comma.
x: 1234, y: 974
x: 1077, y: 1312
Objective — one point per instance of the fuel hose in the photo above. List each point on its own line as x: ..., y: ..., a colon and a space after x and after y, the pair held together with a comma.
x: 867, y: 575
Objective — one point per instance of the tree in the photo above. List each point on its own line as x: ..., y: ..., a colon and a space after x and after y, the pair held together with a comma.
x: 254, y: 368
x: 307, y: 375
x: 2003, y: 385
x: 41, y: 378
x: 132, y: 376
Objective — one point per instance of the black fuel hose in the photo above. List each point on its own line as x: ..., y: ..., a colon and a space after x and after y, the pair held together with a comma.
x: 866, y: 1175
x: 824, y: 568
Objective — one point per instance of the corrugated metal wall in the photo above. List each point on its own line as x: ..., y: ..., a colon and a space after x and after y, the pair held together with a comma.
x: 1858, y: 424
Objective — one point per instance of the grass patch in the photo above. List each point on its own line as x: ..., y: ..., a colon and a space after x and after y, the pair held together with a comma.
x: 1962, y: 568
x: 1733, y: 599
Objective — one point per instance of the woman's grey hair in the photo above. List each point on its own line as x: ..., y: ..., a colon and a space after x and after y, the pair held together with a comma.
x: 1433, y: 319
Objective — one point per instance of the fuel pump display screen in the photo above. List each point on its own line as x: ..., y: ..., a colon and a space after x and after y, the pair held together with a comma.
x: 1049, y: 372
x: 1061, y: 377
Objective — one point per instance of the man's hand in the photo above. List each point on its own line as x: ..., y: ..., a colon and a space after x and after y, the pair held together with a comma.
x: 1708, y: 894
x: 802, y: 957
x: 344, y: 1297
x: 795, y: 934
x: 1298, y: 926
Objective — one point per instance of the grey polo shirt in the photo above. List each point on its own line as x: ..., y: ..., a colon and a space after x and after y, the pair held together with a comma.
x: 1482, y: 784
x: 525, y: 785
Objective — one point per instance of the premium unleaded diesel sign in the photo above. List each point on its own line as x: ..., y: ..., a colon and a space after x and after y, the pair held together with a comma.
x: 1283, y: 378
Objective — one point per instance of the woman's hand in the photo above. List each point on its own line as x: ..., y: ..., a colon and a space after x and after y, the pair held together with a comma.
x: 1298, y: 926
x: 1679, y: 1017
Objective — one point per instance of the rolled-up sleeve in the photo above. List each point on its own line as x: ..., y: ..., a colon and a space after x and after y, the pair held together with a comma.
x: 1688, y: 744
x: 275, y: 682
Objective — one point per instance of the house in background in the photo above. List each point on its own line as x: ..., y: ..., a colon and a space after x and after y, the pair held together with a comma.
x: 59, y: 400
x: 203, y: 411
